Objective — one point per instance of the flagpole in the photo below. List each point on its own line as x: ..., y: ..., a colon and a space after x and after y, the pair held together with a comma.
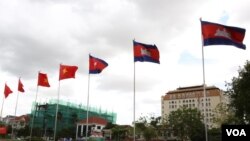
x: 12, y: 130
x: 76, y: 131
x: 33, y: 116
x: 87, y: 121
x: 17, y: 95
x: 16, y: 102
x: 2, y: 108
x: 134, y: 102
x: 204, y: 87
x: 56, y: 111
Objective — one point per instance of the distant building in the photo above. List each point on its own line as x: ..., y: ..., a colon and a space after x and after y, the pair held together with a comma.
x: 95, y: 126
x: 20, y: 122
x: 16, y: 123
x: 68, y: 115
x: 192, y: 97
x: 7, y: 120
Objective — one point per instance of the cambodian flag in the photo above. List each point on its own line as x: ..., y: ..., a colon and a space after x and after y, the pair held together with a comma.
x: 218, y: 34
x: 96, y: 65
x: 146, y: 53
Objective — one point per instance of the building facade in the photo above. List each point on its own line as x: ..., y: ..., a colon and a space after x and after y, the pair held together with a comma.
x: 95, y: 126
x: 193, y: 97
x: 68, y: 115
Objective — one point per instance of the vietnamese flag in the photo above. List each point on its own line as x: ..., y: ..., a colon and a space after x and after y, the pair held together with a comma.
x: 7, y: 90
x: 20, y: 86
x: 67, y: 72
x: 43, y: 80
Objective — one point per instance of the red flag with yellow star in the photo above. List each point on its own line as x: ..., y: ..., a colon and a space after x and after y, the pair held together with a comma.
x: 7, y: 90
x: 43, y: 80
x: 67, y: 72
x: 20, y: 86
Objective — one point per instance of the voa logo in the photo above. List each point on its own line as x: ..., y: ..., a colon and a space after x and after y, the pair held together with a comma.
x: 236, y: 132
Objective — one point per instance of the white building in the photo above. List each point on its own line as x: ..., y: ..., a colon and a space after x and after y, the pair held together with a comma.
x: 193, y: 97
x: 95, y: 127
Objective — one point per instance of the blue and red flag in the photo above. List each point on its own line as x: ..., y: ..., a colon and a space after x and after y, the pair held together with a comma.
x: 218, y: 34
x: 146, y: 53
x: 96, y: 65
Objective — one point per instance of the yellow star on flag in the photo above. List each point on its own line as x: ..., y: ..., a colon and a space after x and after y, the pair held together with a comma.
x: 65, y: 70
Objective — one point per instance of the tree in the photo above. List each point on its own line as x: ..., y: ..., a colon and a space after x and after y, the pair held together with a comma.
x: 24, y: 131
x: 148, y: 126
x: 110, y: 125
x: 149, y: 133
x: 214, y: 134
x: 239, y: 93
x: 223, y: 115
x: 186, y: 123
x: 119, y: 132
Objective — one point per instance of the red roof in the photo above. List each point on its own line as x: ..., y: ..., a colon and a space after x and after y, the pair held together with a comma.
x: 94, y: 120
x: 24, y: 118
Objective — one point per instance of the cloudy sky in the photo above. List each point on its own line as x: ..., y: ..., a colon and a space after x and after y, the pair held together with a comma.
x: 38, y: 35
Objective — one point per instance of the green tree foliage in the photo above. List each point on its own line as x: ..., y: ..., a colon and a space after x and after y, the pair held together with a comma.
x: 214, y: 134
x: 149, y: 127
x: 186, y: 123
x: 119, y: 132
x: 24, y: 132
x: 110, y: 125
x: 223, y: 115
x: 239, y: 93
x: 149, y: 133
